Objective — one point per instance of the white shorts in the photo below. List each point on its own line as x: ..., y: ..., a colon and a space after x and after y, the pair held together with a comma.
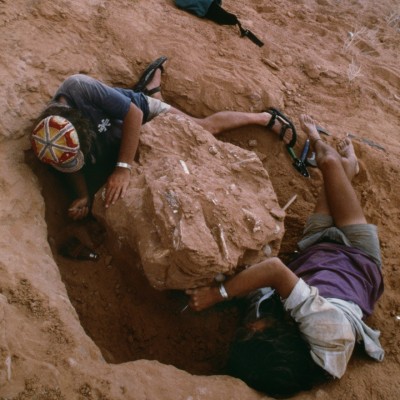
x: 156, y: 107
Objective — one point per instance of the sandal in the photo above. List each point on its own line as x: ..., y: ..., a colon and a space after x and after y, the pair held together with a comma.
x: 150, y: 92
x: 286, y: 124
x: 148, y: 74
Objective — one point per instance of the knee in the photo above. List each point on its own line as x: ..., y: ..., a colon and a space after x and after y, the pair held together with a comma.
x: 330, y: 160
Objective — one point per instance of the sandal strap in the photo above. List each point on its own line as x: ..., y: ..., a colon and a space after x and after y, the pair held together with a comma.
x: 148, y: 74
x: 284, y: 128
x: 271, y: 122
x: 289, y: 124
x: 294, y: 138
x: 286, y: 124
x: 152, y: 91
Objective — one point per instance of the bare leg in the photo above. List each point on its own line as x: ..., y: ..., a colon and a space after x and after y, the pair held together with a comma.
x: 350, y: 164
x: 226, y: 120
x: 337, y: 197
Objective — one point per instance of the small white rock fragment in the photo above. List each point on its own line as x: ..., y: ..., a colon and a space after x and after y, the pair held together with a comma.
x: 184, y: 166
x: 270, y: 64
x: 253, y: 143
x: 220, y: 277
x: 213, y: 150
x: 267, y: 250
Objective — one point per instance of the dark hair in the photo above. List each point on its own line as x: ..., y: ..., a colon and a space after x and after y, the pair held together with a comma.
x: 276, y: 361
x: 82, y: 124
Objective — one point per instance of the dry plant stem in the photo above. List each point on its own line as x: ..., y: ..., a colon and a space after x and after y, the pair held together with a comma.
x: 354, y: 38
x: 393, y: 20
x: 289, y: 203
x: 353, y: 71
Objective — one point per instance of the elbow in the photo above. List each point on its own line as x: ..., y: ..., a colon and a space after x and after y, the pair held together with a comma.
x: 273, y: 262
x: 282, y: 279
x: 272, y: 269
x: 135, y: 112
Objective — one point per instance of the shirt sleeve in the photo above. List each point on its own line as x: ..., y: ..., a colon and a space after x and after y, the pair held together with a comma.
x: 86, y: 91
x: 324, y: 326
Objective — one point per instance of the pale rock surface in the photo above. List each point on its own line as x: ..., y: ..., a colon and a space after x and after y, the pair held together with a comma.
x: 196, y: 207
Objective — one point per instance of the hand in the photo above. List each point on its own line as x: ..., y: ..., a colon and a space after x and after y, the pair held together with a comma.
x: 116, y: 185
x: 202, y: 298
x: 79, y: 208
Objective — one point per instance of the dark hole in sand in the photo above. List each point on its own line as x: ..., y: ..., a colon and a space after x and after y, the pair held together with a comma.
x: 126, y: 318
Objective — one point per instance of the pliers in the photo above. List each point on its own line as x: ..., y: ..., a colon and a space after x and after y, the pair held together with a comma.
x: 303, y: 162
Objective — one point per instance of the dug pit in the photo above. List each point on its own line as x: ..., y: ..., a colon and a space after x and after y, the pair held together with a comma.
x: 119, y: 309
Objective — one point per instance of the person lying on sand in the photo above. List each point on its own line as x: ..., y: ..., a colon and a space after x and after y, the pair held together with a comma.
x: 305, y: 318
x: 89, y: 126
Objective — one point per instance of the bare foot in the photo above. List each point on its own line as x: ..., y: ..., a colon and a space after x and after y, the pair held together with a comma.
x: 349, y: 159
x: 309, y: 128
x: 276, y: 128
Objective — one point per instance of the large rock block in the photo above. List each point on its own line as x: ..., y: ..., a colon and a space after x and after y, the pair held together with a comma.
x: 196, y: 207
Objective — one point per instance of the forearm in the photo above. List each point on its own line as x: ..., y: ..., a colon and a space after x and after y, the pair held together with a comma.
x: 271, y: 272
x: 77, y: 182
x: 118, y: 181
x: 130, y: 135
x: 80, y: 207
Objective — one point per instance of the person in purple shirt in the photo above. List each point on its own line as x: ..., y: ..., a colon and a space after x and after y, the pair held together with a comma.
x: 91, y: 130
x: 304, y: 318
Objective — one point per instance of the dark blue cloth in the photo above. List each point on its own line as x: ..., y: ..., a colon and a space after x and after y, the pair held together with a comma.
x: 198, y: 7
x: 106, y: 108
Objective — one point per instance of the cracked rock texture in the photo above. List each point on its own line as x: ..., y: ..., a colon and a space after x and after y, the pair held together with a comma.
x: 196, y: 207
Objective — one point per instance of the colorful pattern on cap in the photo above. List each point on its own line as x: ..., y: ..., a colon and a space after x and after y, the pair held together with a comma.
x: 55, y: 141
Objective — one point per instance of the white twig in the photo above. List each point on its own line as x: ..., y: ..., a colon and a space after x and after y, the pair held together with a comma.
x: 184, y: 166
x: 289, y: 203
x: 223, y: 242
x: 8, y: 365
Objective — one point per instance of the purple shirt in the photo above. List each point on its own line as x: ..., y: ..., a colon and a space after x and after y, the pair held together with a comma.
x: 340, y: 272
